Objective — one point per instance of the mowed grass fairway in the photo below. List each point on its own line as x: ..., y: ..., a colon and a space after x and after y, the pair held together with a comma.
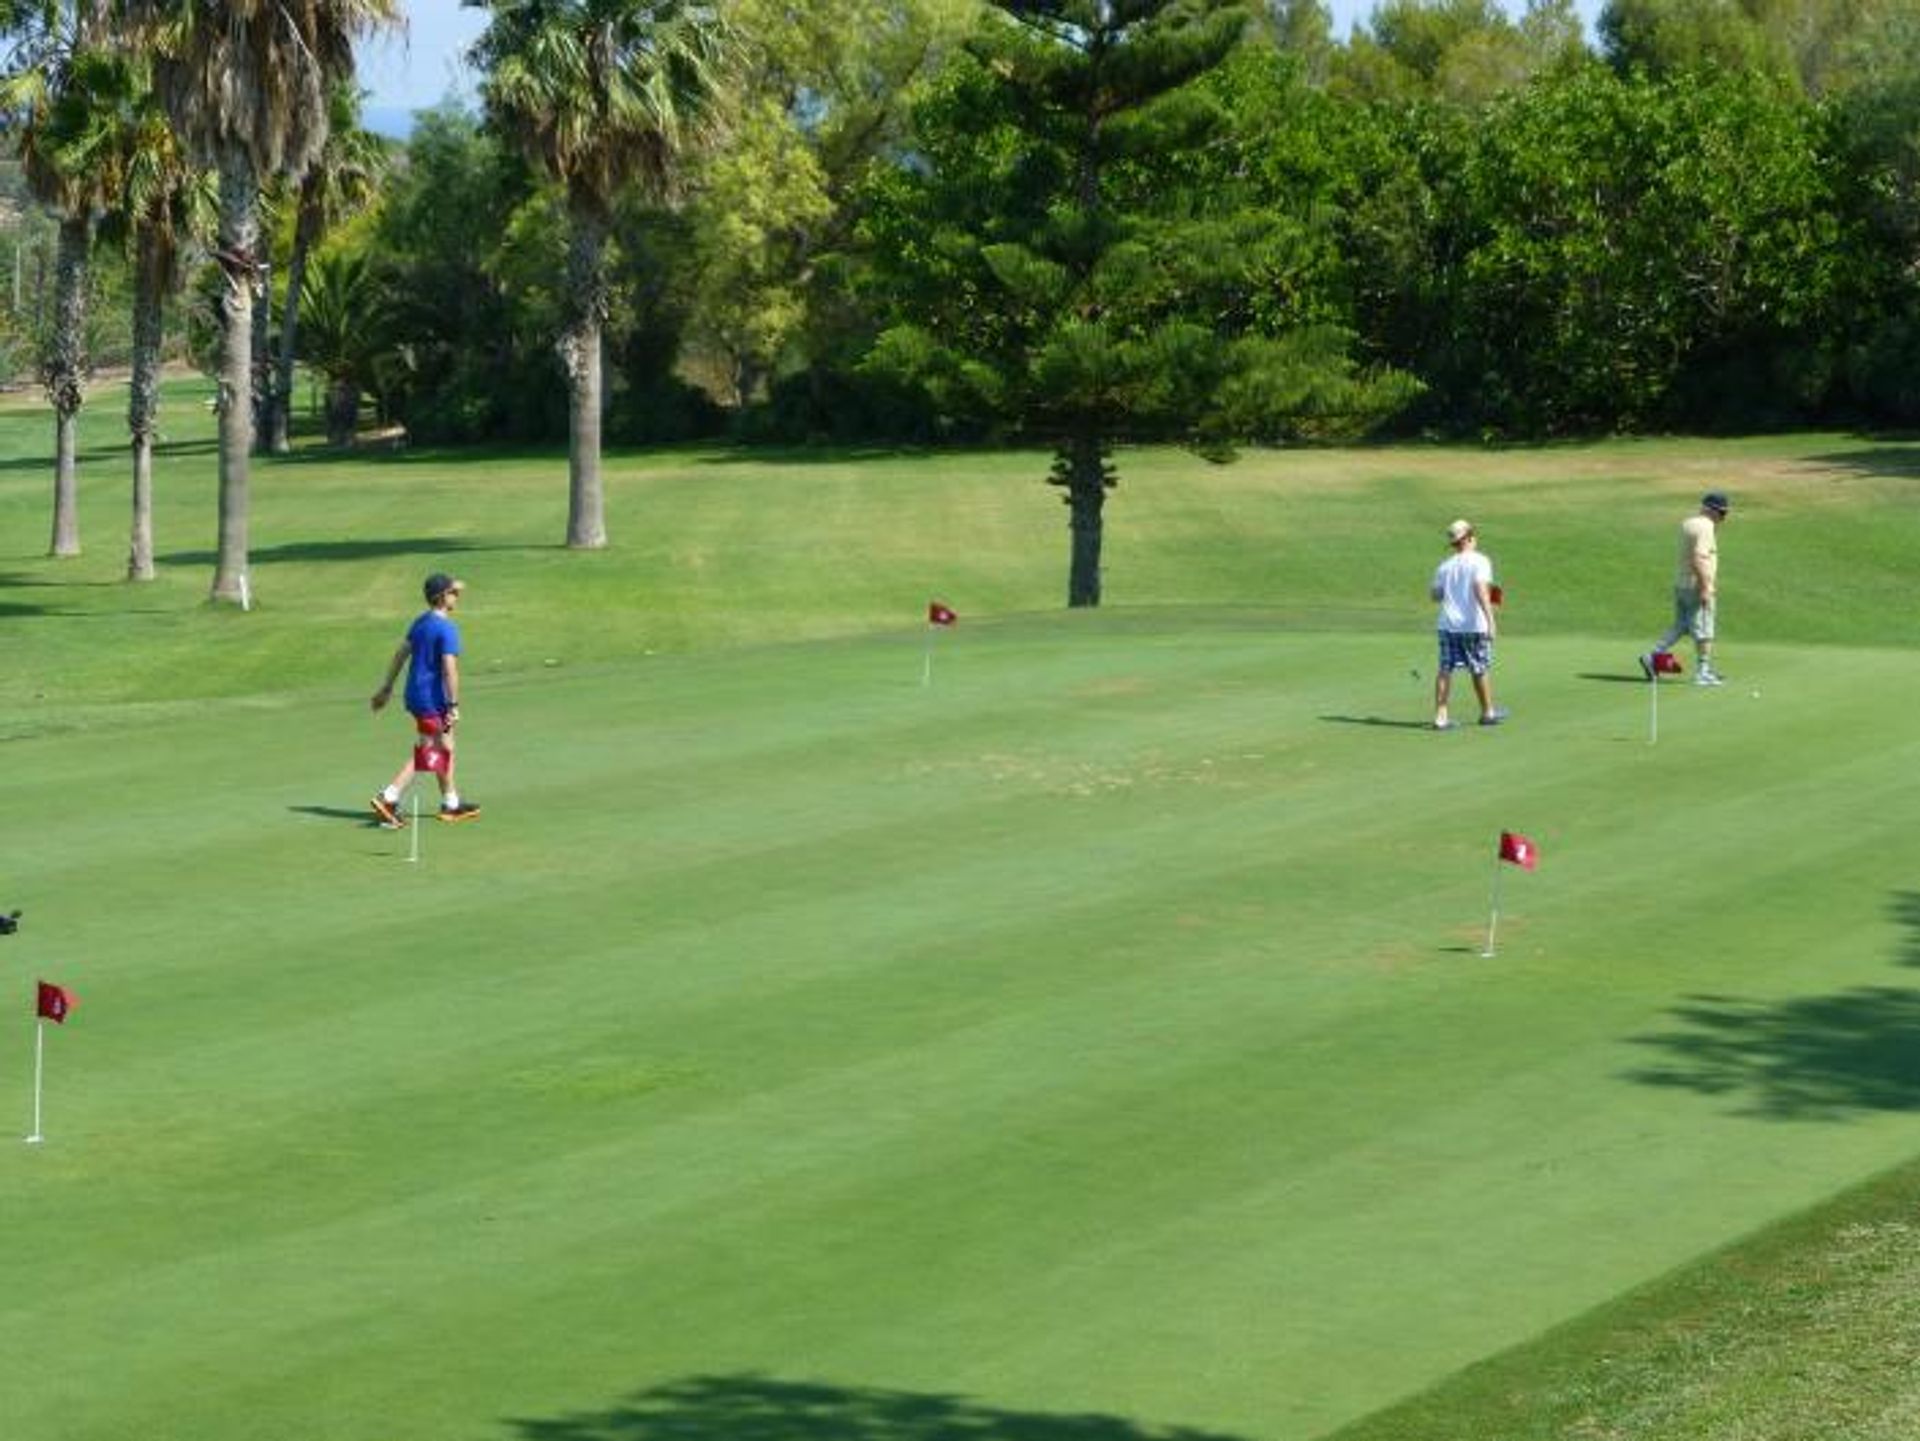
x: 1091, y: 1045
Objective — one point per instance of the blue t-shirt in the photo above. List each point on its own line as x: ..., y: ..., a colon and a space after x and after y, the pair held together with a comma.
x: 431, y: 637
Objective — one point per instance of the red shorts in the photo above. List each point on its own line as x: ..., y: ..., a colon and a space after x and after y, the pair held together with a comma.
x: 430, y: 725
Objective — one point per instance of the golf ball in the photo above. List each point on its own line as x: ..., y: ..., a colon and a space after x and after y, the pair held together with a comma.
x: 1756, y: 695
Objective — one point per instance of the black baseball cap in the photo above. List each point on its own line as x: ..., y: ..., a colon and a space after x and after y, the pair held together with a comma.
x: 1716, y: 501
x: 438, y: 584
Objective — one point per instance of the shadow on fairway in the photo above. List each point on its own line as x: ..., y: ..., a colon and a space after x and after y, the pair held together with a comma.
x: 1385, y: 722
x: 1636, y: 678
x: 1812, y: 1058
x: 326, y: 550
x: 1905, y: 909
x: 1890, y: 458
x: 337, y: 813
x: 757, y: 1408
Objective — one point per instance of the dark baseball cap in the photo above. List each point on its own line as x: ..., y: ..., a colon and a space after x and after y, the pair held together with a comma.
x: 1716, y: 501
x: 438, y: 584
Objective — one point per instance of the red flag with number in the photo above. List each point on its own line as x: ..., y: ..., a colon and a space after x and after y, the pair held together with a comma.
x: 939, y: 614
x: 1518, y: 850
x: 1665, y: 662
x: 54, y: 1002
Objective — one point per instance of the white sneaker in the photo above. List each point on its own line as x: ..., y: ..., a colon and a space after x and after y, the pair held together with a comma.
x: 1708, y: 677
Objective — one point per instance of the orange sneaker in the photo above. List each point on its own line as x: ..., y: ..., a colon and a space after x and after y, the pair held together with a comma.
x: 388, y: 816
x: 465, y: 811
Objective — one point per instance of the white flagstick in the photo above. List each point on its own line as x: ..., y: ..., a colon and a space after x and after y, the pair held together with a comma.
x: 39, y: 1068
x: 926, y: 671
x: 1653, y: 732
x: 414, y: 854
x: 1493, y: 911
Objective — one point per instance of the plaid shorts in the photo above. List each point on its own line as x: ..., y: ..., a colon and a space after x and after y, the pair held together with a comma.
x: 1470, y: 650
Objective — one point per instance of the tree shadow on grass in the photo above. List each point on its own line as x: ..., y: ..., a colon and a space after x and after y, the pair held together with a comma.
x: 759, y: 1408
x: 1812, y: 1058
x: 338, y: 550
x: 1894, y: 457
x: 1905, y: 908
x: 1820, y: 1058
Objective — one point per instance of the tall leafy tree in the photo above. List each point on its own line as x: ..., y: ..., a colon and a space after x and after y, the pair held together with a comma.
x: 827, y: 87
x: 247, y: 83
x: 1057, y: 275
x: 602, y: 95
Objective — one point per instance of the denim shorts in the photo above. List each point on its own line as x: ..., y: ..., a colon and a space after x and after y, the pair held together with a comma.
x: 1471, y: 650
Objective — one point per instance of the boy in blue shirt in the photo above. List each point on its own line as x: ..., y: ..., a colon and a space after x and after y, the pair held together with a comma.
x: 431, y: 655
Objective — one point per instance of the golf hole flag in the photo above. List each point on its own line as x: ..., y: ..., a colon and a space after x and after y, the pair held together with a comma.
x: 1665, y: 662
x: 1496, y: 594
x: 53, y: 1003
x: 1518, y: 850
x: 939, y: 613
x: 1515, y: 850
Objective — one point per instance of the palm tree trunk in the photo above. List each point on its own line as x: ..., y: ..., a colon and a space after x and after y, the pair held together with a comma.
x: 263, y: 371
x: 305, y: 229
x: 239, y: 232
x: 64, y: 376
x: 143, y: 403
x: 580, y: 353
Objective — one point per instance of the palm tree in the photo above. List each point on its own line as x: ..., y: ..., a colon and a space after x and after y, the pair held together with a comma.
x: 342, y: 180
x: 600, y: 94
x: 165, y: 201
x: 341, y: 309
x: 52, y: 71
x: 246, y: 83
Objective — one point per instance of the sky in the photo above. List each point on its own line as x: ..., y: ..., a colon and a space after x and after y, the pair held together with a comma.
x: 421, y: 68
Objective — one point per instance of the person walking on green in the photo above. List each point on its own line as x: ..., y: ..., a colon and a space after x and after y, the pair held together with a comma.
x: 1696, y: 588
x: 1463, y: 587
x: 430, y: 654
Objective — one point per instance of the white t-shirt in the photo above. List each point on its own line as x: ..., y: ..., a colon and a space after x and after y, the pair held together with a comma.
x: 1454, y: 583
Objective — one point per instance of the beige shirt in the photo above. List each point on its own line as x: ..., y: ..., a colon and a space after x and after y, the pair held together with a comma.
x: 1699, y: 552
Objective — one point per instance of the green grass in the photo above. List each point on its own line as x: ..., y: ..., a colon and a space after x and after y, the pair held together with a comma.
x: 1088, y: 1045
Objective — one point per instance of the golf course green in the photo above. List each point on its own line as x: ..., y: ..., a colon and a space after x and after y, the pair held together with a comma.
x: 1058, y: 1027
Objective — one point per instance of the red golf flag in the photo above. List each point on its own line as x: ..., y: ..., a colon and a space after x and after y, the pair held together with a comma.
x: 1665, y: 662
x: 54, y: 1002
x: 939, y: 614
x: 1519, y: 850
x: 1496, y: 594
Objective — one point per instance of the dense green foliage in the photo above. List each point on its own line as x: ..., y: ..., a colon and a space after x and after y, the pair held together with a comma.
x: 1705, y: 217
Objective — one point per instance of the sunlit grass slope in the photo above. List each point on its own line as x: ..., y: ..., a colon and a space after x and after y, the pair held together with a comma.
x: 1089, y: 1044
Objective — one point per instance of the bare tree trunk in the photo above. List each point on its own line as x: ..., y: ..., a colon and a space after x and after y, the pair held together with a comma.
x: 1081, y: 467
x: 306, y: 228
x: 239, y: 233
x: 143, y: 401
x: 64, y: 375
x: 580, y: 353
